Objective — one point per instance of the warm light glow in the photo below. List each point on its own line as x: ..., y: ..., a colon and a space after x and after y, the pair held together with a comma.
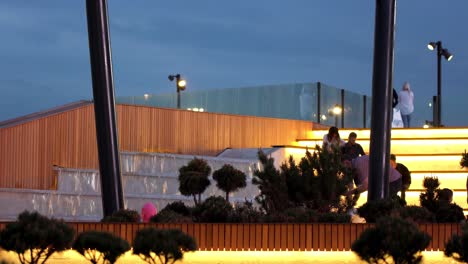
x: 235, y: 257
x: 182, y: 83
x: 451, y: 180
x: 190, y: 109
x: 398, y: 133
x: 324, y: 117
x: 195, y: 109
x: 431, y: 46
x: 201, y: 110
x: 425, y: 126
x: 146, y: 96
x: 337, y: 110
x: 415, y: 146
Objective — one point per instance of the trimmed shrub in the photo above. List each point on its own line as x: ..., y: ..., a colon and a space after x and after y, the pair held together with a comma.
x: 292, y: 215
x: 457, y: 246
x: 334, y: 218
x: 169, y: 216
x: 100, y: 247
x: 449, y: 213
x: 428, y: 198
x: 35, y: 237
x: 417, y: 214
x: 178, y: 207
x: 193, y: 179
x: 245, y: 213
x: 464, y: 160
x: 372, y: 210
x: 123, y: 215
x: 392, y: 238
x: 162, y: 246
x: 215, y: 209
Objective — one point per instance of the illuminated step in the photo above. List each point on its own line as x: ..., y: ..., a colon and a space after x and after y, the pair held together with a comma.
x: 431, y: 162
x: 452, y: 180
x: 399, y: 133
x: 421, y: 162
x: 412, y: 198
x: 407, y: 146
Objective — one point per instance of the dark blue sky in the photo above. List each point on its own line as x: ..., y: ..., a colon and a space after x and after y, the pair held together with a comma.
x: 225, y: 44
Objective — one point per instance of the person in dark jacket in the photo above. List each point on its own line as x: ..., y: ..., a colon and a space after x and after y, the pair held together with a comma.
x: 405, y: 175
x: 351, y: 149
x: 395, y: 98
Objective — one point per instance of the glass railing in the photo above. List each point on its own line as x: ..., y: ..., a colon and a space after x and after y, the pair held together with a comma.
x: 302, y: 101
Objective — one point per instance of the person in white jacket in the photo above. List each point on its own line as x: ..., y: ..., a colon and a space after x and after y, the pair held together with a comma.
x: 406, y: 105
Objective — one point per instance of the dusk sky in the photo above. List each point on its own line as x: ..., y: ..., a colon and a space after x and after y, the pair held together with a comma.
x: 227, y: 44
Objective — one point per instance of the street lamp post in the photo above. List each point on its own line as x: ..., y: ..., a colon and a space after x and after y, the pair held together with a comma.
x: 448, y: 56
x: 336, y: 111
x: 180, y: 84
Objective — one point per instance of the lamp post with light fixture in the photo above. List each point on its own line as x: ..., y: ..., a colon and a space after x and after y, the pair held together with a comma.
x: 336, y: 111
x: 448, y: 56
x: 181, y: 85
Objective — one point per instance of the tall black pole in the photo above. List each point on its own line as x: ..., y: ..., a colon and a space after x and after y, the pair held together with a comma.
x: 439, y: 83
x: 342, y: 107
x: 379, y: 149
x: 435, y: 106
x: 364, y: 111
x: 319, y: 91
x: 104, y: 106
x: 178, y: 95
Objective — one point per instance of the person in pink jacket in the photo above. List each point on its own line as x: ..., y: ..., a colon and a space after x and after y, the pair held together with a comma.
x: 148, y: 211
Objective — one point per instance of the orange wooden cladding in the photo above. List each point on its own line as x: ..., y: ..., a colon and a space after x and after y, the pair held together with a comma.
x: 291, y: 237
x: 68, y: 139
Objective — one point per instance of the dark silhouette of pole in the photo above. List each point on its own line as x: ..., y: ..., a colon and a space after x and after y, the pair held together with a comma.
x: 364, y: 111
x: 178, y: 98
x: 439, y: 83
x: 319, y: 91
x: 342, y: 107
x: 435, y: 106
x: 379, y: 149
x: 104, y: 106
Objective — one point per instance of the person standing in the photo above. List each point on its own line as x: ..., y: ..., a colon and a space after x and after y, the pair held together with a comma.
x: 351, y: 149
x: 406, y: 103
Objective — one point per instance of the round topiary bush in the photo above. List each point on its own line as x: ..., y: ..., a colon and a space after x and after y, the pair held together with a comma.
x: 162, y: 246
x: 35, y: 237
x: 392, y: 238
x: 100, y: 247
x: 193, y: 179
x: 229, y: 179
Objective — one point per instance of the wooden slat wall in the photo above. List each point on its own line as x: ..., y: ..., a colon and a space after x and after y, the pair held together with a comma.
x: 28, y: 150
x: 292, y: 237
